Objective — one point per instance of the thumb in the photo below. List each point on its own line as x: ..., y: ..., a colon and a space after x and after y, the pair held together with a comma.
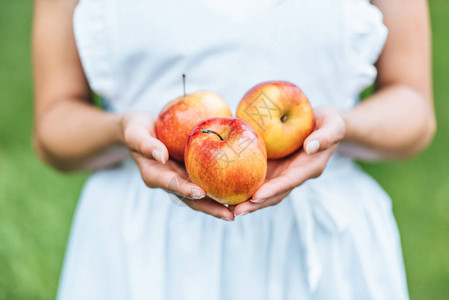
x: 327, y: 135
x: 152, y: 148
x: 141, y: 141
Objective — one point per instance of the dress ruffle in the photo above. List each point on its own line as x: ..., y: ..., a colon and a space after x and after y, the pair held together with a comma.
x: 91, y: 30
x: 366, y: 38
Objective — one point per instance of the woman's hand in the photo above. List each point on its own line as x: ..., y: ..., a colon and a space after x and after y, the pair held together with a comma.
x: 286, y: 174
x: 158, y: 171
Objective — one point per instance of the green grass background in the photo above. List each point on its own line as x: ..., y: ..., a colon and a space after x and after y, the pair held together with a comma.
x: 37, y: 203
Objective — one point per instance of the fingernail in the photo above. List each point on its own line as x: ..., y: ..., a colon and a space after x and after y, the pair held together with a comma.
x: 242, y: 214
x: 157, y: 155
x: 257, y: 200
x: 312, y: 147
x: 226, y: 219
x: 197, y: 193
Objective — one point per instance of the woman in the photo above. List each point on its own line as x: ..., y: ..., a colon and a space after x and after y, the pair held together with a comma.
x: 333, y: 237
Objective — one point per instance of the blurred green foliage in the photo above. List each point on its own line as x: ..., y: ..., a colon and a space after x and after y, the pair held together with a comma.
x: 37, y: 203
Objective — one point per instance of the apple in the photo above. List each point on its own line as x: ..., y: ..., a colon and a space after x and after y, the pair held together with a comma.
x: 280, y: 112
x: 179, y: 116
x: 226, y: 158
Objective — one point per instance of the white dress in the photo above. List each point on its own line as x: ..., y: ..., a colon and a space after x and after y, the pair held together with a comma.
x: 334, y: 237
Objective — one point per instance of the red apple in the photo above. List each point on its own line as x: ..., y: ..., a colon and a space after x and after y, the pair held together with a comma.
x: 226, y: 158
x: 179, y: 116
x: 280, y: 112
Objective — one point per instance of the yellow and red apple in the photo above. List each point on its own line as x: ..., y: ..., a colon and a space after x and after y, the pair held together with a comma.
x: 281, y: 113
x: 226, y: 158
x: 179, y: 117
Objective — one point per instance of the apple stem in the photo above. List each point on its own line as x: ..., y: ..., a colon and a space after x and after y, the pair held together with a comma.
x: 211, y: 131
x: 184, y: 83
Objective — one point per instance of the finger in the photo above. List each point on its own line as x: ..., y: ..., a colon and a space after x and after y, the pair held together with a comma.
x: 178, y: 168
x: 249, y: 206
x: 309, y: 167
x: 156, y: 175
x: 329, y: 132
x: 274, y: 187
x: 140, y: 140
x: 210, y: 207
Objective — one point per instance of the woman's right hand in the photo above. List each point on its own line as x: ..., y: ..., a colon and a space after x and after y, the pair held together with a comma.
x: 159, y: 171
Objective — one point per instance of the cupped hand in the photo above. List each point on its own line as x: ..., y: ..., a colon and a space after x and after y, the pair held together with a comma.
x: 285, y: 174
x: 159, y: 171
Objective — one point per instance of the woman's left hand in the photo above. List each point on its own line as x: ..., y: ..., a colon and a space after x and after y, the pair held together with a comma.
x: 285, y: 174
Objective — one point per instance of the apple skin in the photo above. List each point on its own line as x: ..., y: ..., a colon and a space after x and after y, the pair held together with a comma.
x: 179, y: 117
x: 229, y: 170
x: 281, y: 113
